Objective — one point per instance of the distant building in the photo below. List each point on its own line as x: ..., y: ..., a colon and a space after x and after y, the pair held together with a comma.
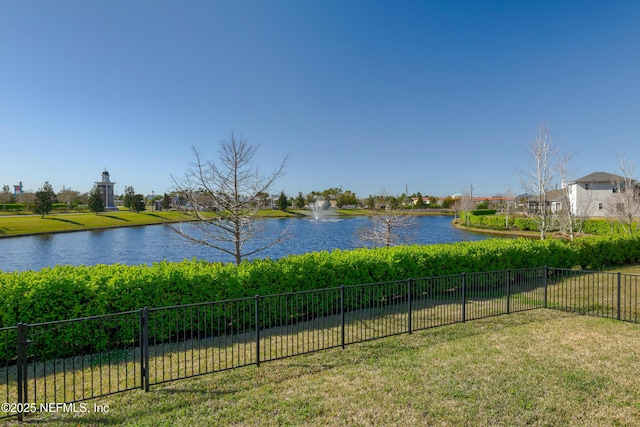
x: 594, y: 195
x: 17, y: 190
x: 106, y: 189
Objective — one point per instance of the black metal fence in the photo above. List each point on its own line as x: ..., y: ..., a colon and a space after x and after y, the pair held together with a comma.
x: 53, y: 366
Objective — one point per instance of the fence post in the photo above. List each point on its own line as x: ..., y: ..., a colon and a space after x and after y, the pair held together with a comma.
x: 257, y: 320
x: 508, y: 291
x: 409, y: 309
x: 619, y: 294
x: 544, y: 281
x: 342, y: 315
x: 21, y: 367
x: 464, y: 298
x: 144, y: 348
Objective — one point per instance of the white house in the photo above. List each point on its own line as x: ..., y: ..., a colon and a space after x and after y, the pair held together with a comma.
x: 593, y: 194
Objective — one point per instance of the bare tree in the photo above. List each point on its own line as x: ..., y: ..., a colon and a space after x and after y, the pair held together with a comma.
x: 68, y: 196
x: 509, y: 206
x: 572, y: 215
x: 540, y: 176
x: 624, y: 204
x: 466, y: 205
x: 388, y: 227
x: 223, y: 199
x: 6, y: 196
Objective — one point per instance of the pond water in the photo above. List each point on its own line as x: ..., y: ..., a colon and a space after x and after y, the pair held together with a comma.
x: 148, y: 244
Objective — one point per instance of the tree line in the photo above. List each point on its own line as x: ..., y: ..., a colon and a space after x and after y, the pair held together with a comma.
x: 45, y: 200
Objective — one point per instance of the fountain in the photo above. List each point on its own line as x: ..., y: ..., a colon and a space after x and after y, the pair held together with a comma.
x: 320, y: 211
x: 316, y: 208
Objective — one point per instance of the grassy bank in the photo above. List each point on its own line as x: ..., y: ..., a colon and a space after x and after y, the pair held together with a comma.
x: 459, y: 224
x: 24, y: 225
x: 12, y: 225
x: 21, y: 225
x: 540, y: 367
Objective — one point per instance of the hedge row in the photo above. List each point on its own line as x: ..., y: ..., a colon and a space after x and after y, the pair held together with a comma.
x: 65, y: 292
x: 500, y: 222
x: 600, y: 227
x: 12, y: 206
x: 479, y: 212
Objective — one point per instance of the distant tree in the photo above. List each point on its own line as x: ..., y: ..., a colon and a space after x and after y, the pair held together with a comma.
x: 300, y: 201
x: 129, y: 198
x: 346, y: 198
x: 6, y: 196
x: 68, y: 196
x: 509, y: 206
x: 83, y: 198
x: 448, y: 202
x: 331, y: 193
x: 138, y: 203
x: 282, y: 202
x: 483, y: 205
x: 28, y: 197
x: 371, y: 202
x: 420, y: 204
x: 45, y: 197
x: 392, y: 202
x: 466, y: 205
x: 96, y: 202
x: 571, y: 219
x: 166, y: 202
x: 433, y: 202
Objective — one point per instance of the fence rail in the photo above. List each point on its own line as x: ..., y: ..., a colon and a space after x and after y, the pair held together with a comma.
x: 75, y: 360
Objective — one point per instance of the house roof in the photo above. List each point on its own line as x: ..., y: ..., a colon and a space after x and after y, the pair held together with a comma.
x: 600, y: 177
x: 555, y: 195
x: 550, y: 196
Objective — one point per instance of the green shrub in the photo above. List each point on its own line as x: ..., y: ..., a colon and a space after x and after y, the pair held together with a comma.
x: 602, y: 227
x: 486, y: 219
x: 12, y: 206
x: 64, y: 292
x: 479, y: 212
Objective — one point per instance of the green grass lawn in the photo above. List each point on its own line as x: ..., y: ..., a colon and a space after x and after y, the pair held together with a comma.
x: 34, y: 224
x: 540, y: 367
x: 19, y: 225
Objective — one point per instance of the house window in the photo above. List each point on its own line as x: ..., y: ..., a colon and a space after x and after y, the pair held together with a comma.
x: 619, y: 187
x: 586, y: 186
x: 600, y: 206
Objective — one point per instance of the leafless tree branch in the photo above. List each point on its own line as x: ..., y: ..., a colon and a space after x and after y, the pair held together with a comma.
x: 223, y: 199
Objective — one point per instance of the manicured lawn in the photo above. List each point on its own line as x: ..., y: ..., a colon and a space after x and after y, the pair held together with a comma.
x: 34, y: 224
x: 18, y: 225
x: 540, y: 367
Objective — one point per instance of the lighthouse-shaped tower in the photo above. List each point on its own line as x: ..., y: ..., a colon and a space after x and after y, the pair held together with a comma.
x: 106, y: 189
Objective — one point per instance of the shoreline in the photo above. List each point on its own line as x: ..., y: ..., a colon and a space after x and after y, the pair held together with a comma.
x: 25, y: 225
x: 510, y: 233
x: 69, y: 222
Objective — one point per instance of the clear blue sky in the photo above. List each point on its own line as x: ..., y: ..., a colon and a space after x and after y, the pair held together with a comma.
x: 366, y: 95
